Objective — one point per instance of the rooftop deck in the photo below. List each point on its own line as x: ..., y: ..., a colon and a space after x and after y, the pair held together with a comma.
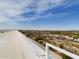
x: 14, y: 45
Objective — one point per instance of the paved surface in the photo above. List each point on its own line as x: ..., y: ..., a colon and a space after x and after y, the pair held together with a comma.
x: 14, y: 45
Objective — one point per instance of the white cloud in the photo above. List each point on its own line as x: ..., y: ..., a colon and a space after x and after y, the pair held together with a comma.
x: 9, y: 25
x: 13, y: 8
x: 3, y: 18
x: 10, y: 8
x: 47, y: 4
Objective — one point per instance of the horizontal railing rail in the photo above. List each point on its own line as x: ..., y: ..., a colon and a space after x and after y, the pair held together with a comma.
x: 60, y: 50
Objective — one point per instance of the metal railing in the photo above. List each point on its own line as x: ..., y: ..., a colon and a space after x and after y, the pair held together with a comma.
x: 73, y: 56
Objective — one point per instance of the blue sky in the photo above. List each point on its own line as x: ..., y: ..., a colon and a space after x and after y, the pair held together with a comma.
x: 39, y: 14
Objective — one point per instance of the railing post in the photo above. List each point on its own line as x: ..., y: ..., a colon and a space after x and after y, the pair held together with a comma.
x: 47, y: 52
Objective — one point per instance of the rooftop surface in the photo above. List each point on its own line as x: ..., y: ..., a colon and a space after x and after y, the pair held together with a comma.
x: 14, y: 45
